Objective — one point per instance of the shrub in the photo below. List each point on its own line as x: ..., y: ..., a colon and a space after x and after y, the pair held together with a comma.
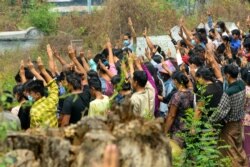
x: 40, y: 17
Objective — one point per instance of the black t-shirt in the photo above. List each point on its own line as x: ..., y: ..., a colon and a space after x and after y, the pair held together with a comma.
x: 215, y: 90
x: 24, y: 115
x: 75, y: 104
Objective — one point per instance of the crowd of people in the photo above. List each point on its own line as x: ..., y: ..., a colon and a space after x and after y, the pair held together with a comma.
x: 157, y: 84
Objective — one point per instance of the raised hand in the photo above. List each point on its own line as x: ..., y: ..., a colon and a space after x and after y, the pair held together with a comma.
x: 145, y: 32
x: 30, y: 64
x: 49, y: 51
x: 22, y: 71
x: 108, y: 44
x: 71, y: 52
x: 130, y: 23
x: 169, y: 53
x: 40, y: 64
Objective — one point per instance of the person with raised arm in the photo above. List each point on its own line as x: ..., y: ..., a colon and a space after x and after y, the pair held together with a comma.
x: 44, y: 108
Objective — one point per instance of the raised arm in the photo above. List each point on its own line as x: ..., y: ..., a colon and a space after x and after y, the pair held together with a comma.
x: 130, y: 23
x: 103, y: 67
x: 51, y: 60
x: 22, y: 72
x: 215, y: 66
x: 85, y: 64
x: 72, y: 56
x: 42, y: 69
x: 188, y: 43
x: 34, y: 72
x: 59, y: 58
x: 149, y: 42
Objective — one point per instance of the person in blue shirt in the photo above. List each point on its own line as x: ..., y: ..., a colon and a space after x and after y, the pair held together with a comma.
x: 235, y: 41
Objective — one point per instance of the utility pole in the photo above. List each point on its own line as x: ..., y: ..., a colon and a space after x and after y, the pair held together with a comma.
x: 89, y: 6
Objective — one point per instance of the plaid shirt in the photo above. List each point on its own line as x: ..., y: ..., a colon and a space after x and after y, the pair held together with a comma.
x: 231, y: 106
x: 43, y: 111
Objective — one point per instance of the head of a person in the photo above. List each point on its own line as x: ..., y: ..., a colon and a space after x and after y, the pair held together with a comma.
x: 220, y: 27
x: 126, y: 39
x: 197, y: 38
x: 204, y: 75
x: 159, y: 50
x: 211, y: 34
x: 245, y: 75
x: 6, y: 100
x: 231, y: 72
x: 125, y: 86
x: 225, y: 39
x: 73, y: 81
x: 95, y: 86
x: 35, y: 89
x: 236, y: 34
x: 180, y: 79
x: 246, y: 44
x: 28, y: 75
x: 18, y: 92
x: 139, y: 80
x: 199, y: 51
x: 197, y: 61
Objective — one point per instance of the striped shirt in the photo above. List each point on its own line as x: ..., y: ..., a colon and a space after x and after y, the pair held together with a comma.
x: 43, y: 111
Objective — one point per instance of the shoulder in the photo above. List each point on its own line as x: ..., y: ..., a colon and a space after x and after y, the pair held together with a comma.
x: 235, y: 88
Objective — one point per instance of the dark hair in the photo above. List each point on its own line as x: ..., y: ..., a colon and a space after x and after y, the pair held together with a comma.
x: 212, y: 30
x: 221, y: 48
x: 36, y: 86
x: 28, y: 75
x: 206, y: 74
x: 75, y: 80
x: 183, y: 43
x: 222, y: 25
x: 159, y: 50
x: 232, y: 70
x: 198, y: 51
x: 92, y: 73
x: 246, y: 43
x: 95, y: 83
x: 153, y: 71
x: 141, y: 78
x: 117, y: 79
x: 196, y: 60
x: 19, y: 90
x: 181, y: 78
x: 236, y: 32
x: 245, y: 75
x: 225, y: 38
x: 128, y: 34
x: 201, y: 30
x: 157, y: 58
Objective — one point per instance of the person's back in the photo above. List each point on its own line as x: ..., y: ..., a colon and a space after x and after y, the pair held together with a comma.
x: 99, y: 107
x: 143, y: 102
x: 143, y: 99
x: 76, y: 105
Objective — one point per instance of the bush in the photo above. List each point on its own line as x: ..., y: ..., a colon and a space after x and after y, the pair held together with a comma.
x: 40, y: 17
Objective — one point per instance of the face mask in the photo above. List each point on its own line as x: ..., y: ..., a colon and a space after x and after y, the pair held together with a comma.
x: 193, y: 42
x: 126, y: 43
x: 219, y: 30
x: 30, y: 98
